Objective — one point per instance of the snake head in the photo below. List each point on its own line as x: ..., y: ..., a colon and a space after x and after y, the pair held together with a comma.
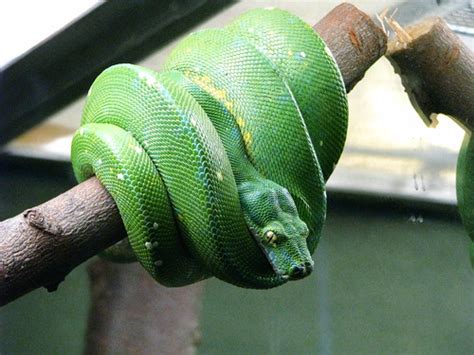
x: 273, y: 220
x: 284, y: 243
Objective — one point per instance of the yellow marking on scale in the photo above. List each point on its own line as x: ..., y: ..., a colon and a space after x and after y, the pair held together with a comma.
x: 206, y: 83
x: 247, y: 138
x: 219, y: 94
x: 206, y: 79
x: 240, y: 122
x: 229, y: 105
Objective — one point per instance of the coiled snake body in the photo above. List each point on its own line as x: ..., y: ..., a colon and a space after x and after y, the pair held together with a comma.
x: 218, y: 163
x: 465, y: 188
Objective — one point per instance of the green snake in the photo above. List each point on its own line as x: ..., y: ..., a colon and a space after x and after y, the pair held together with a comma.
x: 465, y: 188
x: 218, y: 163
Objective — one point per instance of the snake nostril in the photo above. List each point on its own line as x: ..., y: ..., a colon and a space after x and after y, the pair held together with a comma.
x: 297, y: 272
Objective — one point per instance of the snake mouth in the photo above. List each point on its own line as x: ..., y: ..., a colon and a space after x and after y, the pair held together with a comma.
x: 296, y: 271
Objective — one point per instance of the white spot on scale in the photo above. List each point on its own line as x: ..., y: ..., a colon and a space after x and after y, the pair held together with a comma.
x: 321, y: 143
x: 303, y: 54
x: 81, y: 131
x: 193, y: 120
x: 158, y: 86
x: 220, y: 176
x: 120, y: 176
x: 148, y: 245
x: 99, y: 162
x: 150, y: 81
x: 138, y: 149
x: 159, y: 262
x: 155, y: 225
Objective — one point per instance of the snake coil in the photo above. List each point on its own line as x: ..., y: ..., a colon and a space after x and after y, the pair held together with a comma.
x: 218, y: 163
x: 465, y: 188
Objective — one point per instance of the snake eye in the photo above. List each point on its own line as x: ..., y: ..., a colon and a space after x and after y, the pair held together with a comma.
x: 271, y: 237
x: 306, y: 232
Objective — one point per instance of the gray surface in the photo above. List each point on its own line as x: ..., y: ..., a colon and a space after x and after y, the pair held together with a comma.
x: 383, y: 285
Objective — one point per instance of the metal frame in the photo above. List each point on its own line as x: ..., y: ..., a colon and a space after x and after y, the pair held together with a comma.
x: 61, y: 69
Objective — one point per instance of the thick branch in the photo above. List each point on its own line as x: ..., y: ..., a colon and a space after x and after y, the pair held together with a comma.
x: 437, y: 71
x: 354, y: 39
x: 41, y: 246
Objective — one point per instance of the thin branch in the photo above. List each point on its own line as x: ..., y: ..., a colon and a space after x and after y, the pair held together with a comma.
x: 42, y: 245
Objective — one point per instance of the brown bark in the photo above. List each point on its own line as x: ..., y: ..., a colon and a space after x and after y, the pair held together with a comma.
x: 437, y: 70
x: 354, y: 39
x: 41, y: 246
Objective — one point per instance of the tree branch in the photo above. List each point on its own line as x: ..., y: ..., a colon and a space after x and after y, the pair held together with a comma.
x: 354, y: 39
x: 437, y: 70
x: 42, y: 245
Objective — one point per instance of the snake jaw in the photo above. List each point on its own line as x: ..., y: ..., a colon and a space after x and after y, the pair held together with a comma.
x: 288, y: 256
x: 294, y: 271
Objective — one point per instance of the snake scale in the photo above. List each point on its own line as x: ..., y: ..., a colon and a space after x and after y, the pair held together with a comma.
x: 218, y: 162
x: 465, y: 188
